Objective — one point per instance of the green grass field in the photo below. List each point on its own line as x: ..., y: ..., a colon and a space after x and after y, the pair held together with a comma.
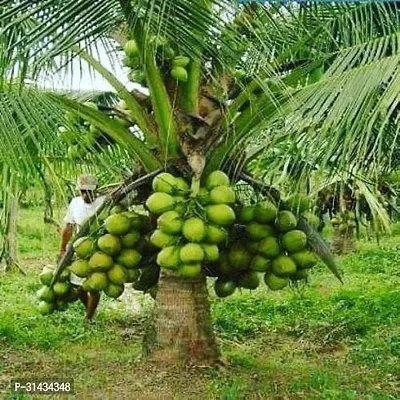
x: 322, y: 341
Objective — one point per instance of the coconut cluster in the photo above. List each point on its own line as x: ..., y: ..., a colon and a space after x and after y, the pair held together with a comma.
x: 132, y: 61
x: 190, y: 227
x: 165, y: 55
x: 116, y: 253
x: 190, y: 231
x: 271, y: 244
x: 345, y: 222
x: 199, y: 233
x: 57, y: 297
x: 111, y: 259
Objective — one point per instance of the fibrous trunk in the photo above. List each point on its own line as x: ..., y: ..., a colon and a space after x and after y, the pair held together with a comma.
x: 10, y: 245
x: 182, y: 331
x: 343, y: 242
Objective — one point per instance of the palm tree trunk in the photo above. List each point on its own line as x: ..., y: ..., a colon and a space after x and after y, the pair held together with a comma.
x: 182, y: 331
x: 10, y: 244
x: 343, y: 242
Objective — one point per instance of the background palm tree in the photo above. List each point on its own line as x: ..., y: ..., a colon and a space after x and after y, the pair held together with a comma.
x: 322, y: 78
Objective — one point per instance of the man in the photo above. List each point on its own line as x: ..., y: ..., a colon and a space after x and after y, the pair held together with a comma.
x: 80, y: 209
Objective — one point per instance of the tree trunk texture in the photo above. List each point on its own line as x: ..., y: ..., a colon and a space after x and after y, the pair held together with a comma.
x: 10, y: 248
x: 182, y: 331
x: 343, y: 242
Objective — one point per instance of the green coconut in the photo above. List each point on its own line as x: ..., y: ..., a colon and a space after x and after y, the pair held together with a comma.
x: 343, y: 228
x: 117, y: 274
x: 220, y: 214
x: 168, y: 257
x: 159, y: 203
x: 131, y: 48
x: 335, y: 221
x: 294, y: 241
x: 222, y: 195
x: 194, y: 229
x: 114, y: 291
x: 97, y: 281
x: 46, y: 275
x: 249, y: 280
x: 109, y: 244
x: 211, y: 252
x: 275, y: 282
x: 84, y: 247
x: 80, y: 268
x: 351, y: 215
x: 180, y: 61
x: 161, y: 239
x: 224, y: 288
x: 215, y: 235
x: 260, y: 263
x: 61, y: 288
x: 239, y: 257
x: 270, y: 247
x: 190, y: 271
x: 247, y: 214
x: 304, y: 259
x: 256, y: 231
x: 170, y: 222
x: 45, y: 308
x: 179, y: 73
x: 165, y: 183
x: 130, y: 239
x: 117, y: 224
x: 265, y: 212
x: 181, y: 185
x: 283, y: 266
x: 129, y: 258
x: 351, y: 223
x: 286, y: 221
x: 217, y: 178
x: 100, y: 262
x: 191, y: 253
x: 45, y: 294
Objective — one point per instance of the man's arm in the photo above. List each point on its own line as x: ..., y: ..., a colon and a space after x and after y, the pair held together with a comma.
x: 66, y: 235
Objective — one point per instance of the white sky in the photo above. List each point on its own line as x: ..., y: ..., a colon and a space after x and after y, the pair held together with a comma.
x: 79, y: 77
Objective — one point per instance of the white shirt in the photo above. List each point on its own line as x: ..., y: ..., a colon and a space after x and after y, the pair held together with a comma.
x: 79, y: 211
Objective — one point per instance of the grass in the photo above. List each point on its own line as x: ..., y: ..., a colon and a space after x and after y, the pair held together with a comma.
x: 320, y: 341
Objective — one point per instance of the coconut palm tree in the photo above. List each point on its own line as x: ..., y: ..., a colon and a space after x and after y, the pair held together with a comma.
x: 224, y: 81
